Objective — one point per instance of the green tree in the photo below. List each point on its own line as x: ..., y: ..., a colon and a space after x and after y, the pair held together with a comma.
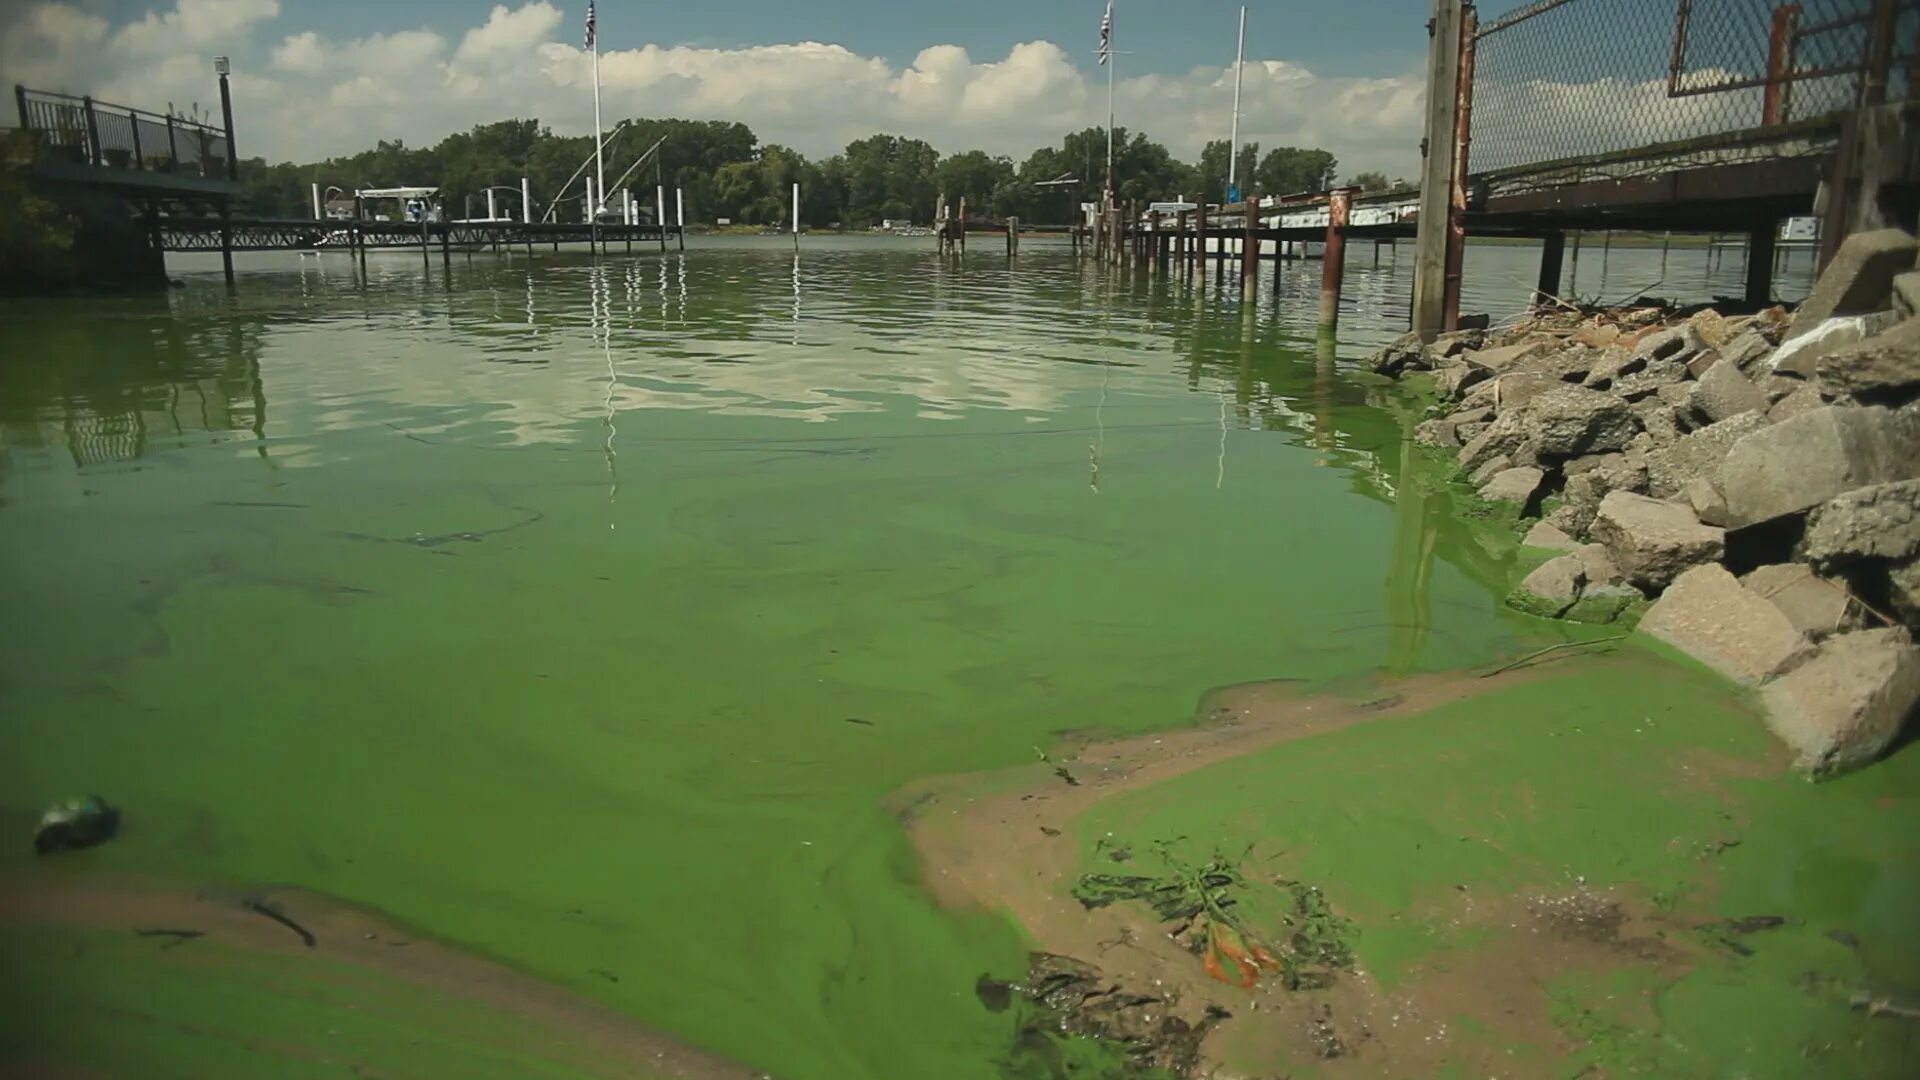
x: 1370, y: 181
x: 1287, y: 170
x: 890, y: 177
x: 986, y: 183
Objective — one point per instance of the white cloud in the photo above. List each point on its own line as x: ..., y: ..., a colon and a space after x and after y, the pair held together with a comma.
x: 310, y: 94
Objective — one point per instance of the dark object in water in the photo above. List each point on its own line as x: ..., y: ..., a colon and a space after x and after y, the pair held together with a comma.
x: 857, y: 720
x: 78, y: 824
x: 1061, y: 772
x: 174, y: 937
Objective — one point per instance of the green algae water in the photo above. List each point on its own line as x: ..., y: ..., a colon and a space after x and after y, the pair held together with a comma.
x: 582, y: 614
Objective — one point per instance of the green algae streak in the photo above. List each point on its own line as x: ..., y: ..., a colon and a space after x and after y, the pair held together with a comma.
x: 530, y: 607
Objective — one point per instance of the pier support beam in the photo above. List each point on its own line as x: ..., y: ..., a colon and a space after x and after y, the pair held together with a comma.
x: 1760, y: 262
x: 1553, y: 255
x: 1437, y: 171
x: 226, y: 238
x: 1333, y: 260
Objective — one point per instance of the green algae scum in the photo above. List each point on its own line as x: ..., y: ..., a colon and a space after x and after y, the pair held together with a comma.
x: 728, y: 665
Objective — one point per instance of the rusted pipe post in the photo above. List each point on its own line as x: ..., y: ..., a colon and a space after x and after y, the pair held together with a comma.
x: 1457, y: 185
x: 1250, y: 244
x: 1773, y: 102
x: 1879, y: 53
x: 1333, y: 261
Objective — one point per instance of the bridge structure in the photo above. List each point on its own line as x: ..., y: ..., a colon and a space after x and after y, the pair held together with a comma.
x: 1702, y: 116
x: 144, y: 183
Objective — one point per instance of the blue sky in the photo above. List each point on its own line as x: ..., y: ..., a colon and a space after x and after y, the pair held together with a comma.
x: 319, y: 77
x: 1335, y: 37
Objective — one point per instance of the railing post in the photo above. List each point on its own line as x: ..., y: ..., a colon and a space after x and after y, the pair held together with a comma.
x: 1436, y: 176
x: 133, y: 123
x: 173, y: 147
x: 20, y: 101
x: 93, y: 132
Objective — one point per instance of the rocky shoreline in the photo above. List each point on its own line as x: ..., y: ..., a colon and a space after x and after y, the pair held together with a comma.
x: 1744, y: 488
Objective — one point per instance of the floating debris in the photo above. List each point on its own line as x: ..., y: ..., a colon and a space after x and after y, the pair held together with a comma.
x: 81, y: 823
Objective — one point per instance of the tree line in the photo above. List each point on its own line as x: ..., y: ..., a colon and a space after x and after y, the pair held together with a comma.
x: 727, y: 173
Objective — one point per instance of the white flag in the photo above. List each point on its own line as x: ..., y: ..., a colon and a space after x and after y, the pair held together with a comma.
x: 1106, y: 34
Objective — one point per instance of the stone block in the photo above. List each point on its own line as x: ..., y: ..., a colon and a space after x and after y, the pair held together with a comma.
x: 1660, y: 420
x: 1675, y: 343
x: 1859, y: 278
x: 1714, y: 328
x: 1651, y: 541
x: 1707, y: 614
x: 1747, y: 350
x: 1453, y: 381
x: 1803, y: 399
x: 1815, y: 606
x: 1800, y: 354
x: 1723, y: 392
x: 1606, y: 604
x: 1489, y: 469
x: 1597, y: 563
x: 1882, y: 369
x: 1802, y: 462
x: 1846, y: 704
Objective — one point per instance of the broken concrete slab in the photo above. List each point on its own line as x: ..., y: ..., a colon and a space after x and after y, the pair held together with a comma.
x: 1747, y: 350
x: 1877, y: 522
x: 1884, y: 369
x: 1515, y: 485
x: 1504, y: 358
x: 1697, y: 453
x: 1568, y: 421
x: 1516, y: 388
x: 1550, y: 589
x: 1651, y: 541
x: 1799, y: 355
x: 1803, y: 399
x: 1707, y: 614
x: 1845, y: 705
x: 1708, y: 504
x: 1606, y: 604
x: 1438, y: 433
x: 1452, y: 381
x: 1675, y: 343
x: 1802, y: 462
x: 1714, y: 328
x: 1548, y: 537
x: 1489, y: 469
x: 1613, y: 364
x: 1723, y: 392
x: 1906, y: 293
x: 1660, y: 420
x: 1815, y: 606
x: 1598, y: 565
x: 1859, y: 278
x: 1503, y: 438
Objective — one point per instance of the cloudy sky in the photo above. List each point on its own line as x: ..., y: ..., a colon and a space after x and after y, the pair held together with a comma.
x: 318, y: 77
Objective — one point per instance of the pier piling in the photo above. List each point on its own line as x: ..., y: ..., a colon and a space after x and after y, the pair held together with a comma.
x: 1333, y: 260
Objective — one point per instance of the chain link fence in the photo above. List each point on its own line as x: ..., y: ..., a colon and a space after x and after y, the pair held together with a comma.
x: 1561, y: 80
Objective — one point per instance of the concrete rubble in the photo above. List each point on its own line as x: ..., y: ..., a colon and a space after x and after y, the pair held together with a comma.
x: 1744, y: 486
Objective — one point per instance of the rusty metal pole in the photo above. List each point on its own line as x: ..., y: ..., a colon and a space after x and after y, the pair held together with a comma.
x: 1879, y: 53
x: 1333, y: 260
x: 1457, y: 184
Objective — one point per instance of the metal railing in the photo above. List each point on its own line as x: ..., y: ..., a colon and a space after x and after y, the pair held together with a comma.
x: 83, y: 131
x: 1561, y: 80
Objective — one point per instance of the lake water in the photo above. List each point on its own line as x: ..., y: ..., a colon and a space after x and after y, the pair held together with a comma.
x: 583, y: 613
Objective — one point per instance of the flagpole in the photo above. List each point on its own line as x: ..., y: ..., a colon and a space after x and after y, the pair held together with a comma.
x: 1233, y: 144
x: 1111, y: 64
x: 599, y: 161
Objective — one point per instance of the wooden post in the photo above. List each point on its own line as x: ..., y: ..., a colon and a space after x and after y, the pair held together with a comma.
x: 1457, y: 179
x: 1012, y: 232
x: 1200, y: 236
x: 1333, y: 261
x: 1437, y: 171
x: 963, y: 225
x: 1553, y: 253
x: 1760, y: 262
x: 446, y: 248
